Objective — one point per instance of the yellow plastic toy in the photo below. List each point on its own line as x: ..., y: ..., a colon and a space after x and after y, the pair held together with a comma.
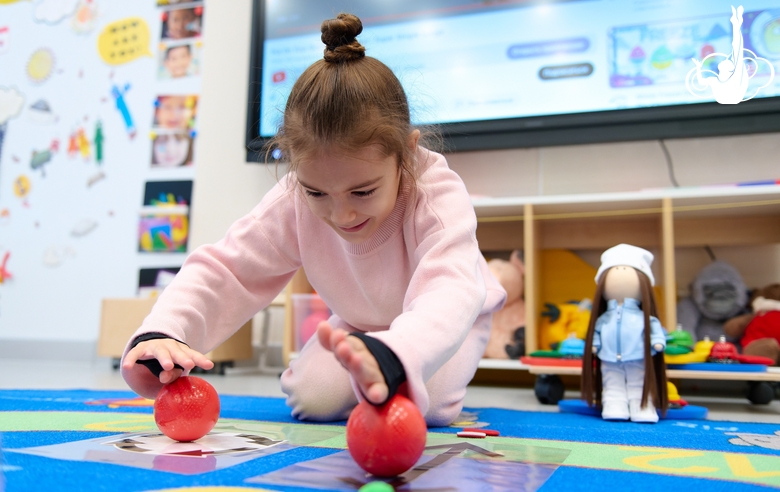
x: 561, y: 320
x: 675, y: 400
x: 699, y: 354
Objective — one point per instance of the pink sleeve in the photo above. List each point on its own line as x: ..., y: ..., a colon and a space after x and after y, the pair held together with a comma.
x: 222, y: 285
x: 450, y: 287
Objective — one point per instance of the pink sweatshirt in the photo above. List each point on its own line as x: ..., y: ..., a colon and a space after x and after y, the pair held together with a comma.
x: 421, y: 274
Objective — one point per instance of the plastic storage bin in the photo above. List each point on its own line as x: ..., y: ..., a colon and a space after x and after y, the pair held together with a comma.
x: 308, y: 311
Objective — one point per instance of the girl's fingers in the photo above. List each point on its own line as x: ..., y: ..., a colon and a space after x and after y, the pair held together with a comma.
x: 336, y: 337
x: 170, y: 376
x: 201, y: 360
x: 324, y: 332
x: 168, y: 353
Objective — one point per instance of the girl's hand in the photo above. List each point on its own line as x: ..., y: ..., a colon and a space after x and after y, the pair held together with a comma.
x: 167, y: 352
x: 352, y: 353
x: 658, y: 347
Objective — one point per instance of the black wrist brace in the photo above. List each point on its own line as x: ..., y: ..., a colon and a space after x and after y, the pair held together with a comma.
x: 153, y: 364
x: 388, y: 362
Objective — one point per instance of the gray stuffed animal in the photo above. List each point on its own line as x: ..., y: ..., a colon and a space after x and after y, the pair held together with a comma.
x: 717, y: 294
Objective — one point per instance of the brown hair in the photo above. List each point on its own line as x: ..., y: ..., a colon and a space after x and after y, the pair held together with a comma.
x: 346, y: 100
x: 655, y: 367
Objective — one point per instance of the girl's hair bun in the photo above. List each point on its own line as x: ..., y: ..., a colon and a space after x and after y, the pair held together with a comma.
x: 339, y: 37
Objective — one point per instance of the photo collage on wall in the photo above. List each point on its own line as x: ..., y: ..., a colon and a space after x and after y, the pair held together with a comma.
x: 164, y: 218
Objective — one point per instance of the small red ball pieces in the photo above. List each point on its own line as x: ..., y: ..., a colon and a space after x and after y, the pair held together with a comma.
x: 186, y: 409
x: 386, y: 440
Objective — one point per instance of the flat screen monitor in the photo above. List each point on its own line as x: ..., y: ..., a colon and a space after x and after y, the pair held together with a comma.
x: 503, y: 74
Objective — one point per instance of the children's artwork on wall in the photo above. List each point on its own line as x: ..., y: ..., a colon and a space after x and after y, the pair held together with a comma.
x: 22, y: 186
x: 171, y: 149
x: 83, y: 227
x: 175, y: 112
x: 40, y: 113
x: 83, y: 19
x: 164, y: 219
x: 11, y: 101
x: 124, y: 41
x: 152, y: 281
x: 5, y: 42
x: 179, y: 59
x: 4, y: 273
x: 80, y: 80
x: 40, y: 66
x: 54, y: 11
x: 56, y: 254
x: 182, y: 23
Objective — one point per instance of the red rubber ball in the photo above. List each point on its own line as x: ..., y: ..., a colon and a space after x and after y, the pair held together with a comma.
x: 186, y: 409
x: 386, y: 440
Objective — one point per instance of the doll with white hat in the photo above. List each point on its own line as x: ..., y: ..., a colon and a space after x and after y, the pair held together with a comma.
x: 628, y: 374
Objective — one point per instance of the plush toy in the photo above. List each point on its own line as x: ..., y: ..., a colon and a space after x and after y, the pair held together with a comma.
x: 759, y: 332
x: 507, y: 333
x: 628, y: 374
x: 717, y: 294
x: 559, y: 321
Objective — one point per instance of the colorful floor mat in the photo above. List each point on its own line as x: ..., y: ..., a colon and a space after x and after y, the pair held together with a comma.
x: 107, y: 440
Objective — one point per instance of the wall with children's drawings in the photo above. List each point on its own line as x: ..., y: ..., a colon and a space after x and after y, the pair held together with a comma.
x: 98, y: 133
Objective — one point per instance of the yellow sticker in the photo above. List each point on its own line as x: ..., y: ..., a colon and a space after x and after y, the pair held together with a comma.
x: 21, y: 186
x: 41, y: 65
x: 124, y: 40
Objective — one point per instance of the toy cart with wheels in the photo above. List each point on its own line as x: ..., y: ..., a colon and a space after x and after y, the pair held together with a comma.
x: 549, y: 389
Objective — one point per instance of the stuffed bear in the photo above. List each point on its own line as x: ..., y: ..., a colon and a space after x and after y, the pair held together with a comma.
x: 507, y: 333
x: 717, y: 294
x: 759, y: 332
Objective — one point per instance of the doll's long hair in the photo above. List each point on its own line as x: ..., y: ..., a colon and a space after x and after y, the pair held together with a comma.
x: 655, y: 367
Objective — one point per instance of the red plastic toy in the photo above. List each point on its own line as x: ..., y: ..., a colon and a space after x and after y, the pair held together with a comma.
x: 186, y: 409
x: 723, y: 350
x: 386, y: 440
x: 726, y: 352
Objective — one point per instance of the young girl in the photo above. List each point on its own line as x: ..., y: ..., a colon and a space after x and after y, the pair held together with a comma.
x: 629, y: 373
x: 386, y: 234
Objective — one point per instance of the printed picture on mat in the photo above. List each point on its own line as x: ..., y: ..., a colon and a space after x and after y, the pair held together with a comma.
x: 178, y: 60
x: 171, y: 149
x: 163, y: 225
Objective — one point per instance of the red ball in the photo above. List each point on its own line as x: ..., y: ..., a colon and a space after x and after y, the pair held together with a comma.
x: 186, y: 409
x: 386, y: 440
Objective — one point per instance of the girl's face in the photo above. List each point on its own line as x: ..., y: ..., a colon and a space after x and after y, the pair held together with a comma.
x: 352, y: 192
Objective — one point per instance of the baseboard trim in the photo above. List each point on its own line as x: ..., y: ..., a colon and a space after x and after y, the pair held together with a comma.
x: 48, y: 350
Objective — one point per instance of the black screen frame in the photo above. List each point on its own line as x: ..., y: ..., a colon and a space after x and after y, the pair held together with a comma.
x: 710, y: 119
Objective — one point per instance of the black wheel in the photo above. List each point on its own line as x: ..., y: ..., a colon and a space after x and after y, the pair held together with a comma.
x: 115, y: 363
x: 760, y: 393
x: 548, y: 389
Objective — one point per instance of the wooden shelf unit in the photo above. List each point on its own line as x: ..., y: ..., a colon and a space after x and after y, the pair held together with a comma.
x: 655, y: 219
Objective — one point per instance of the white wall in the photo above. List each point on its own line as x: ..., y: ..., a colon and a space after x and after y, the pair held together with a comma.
x: 226, y: 187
